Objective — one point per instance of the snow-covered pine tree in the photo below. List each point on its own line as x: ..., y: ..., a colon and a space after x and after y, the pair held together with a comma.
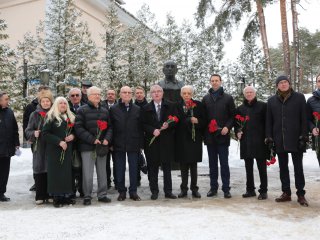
x: 143, y: 58
x: 69, y: 50
x: 111, y: 69
x: 171, y: 47
x: 188, y: 38
x: 8, y: 81
x: 252, y: 67
x: 206, y: 60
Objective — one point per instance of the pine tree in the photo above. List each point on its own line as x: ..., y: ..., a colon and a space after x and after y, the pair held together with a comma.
x: 111, y: 69
x: 8, y: 81
x: 69, y: 49
x: 142, y: 52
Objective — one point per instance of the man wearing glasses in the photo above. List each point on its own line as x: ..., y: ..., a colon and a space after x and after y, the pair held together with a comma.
x: 75, y: 103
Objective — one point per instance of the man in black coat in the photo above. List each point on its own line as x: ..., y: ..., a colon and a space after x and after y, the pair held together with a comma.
x: 87, y: 130
x: 9, y: 142
x: 162, y: 151
x: 221, y: 108
x: 251, y: 137
x: 286, y: 131
x: 313, y: 106
x: 108, y: 103
x: 75, y: 103
x: 140, y: 100
x: 127, y: 141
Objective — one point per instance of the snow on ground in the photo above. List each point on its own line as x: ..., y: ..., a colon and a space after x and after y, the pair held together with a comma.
x: 205, y: 218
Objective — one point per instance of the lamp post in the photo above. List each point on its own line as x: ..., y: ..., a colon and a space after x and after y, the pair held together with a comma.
x: 44, y: 77
x: 240, y: 86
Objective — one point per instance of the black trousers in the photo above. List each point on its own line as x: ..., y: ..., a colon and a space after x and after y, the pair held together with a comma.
x: 185, y: 167
x: 298, y: 172
x: 4, y: 173
x: 262, y: 168
x: 77, y: 180
x: 318, y: 157
x: 41, y: 186
x: 153, y: 172
x: 108, y: 168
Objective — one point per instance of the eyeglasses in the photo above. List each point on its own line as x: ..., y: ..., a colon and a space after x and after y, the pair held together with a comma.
x: 95, y: 94
x: 156, y: 91
x: 75, y: 95
x: 126, y: 92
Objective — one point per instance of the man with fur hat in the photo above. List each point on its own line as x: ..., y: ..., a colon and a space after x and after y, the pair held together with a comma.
x: 286, y: 132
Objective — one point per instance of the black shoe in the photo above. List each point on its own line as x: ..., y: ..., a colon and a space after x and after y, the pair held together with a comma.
x: 87, y: 201
x: 182, y: 194
x: 57, y: 203
x: 104, y: 200
x: 170, y: 196
x: 196, y: 194
x: 262, y: 196
x: 3, y: 198
x: 227, y: 195
x: 249, y: 194
x: 33, y: 188
x: 135, y: 197
x: 154, y: 196
x: 212, y: 193
x: 122, y: 197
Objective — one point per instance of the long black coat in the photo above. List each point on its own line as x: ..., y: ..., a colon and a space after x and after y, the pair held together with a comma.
x: 127, y: 127
x: 163, y: 148
x: 313, y: 105
x: 252, y: 141
x: 221, y: 109
x: 86, y: 126
x: 59, y: 174
x: 9, y: 136
x: 287, y: 121
x: 187, y: 150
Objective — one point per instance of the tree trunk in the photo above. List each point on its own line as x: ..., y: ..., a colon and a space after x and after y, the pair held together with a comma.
x: 296, y: 67
x: 285, y: 38
x: 264, y: 38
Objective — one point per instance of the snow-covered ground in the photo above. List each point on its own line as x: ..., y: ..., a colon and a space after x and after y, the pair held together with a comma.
x: 205, y: 218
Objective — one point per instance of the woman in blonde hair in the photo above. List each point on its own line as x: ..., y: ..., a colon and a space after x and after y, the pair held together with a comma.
x: 58, y: 132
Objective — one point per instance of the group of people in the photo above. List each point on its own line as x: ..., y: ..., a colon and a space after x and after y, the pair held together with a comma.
x: 71, y: 136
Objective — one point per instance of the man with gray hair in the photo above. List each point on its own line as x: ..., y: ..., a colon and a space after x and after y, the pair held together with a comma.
x: 161, y: 151
x: 127, y: 141
x: 94, y: 131
x: 74, y: 97
x: 252, y: 144
x: 75, y: 103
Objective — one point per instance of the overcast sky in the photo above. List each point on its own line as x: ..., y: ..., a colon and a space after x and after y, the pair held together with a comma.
x: 185, y: 9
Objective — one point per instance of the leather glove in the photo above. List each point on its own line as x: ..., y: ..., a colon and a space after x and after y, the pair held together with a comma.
x: 302, y: 144
x: 269, y: 142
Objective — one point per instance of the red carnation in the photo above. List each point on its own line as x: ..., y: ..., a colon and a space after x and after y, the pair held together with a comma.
x: 213, y: 126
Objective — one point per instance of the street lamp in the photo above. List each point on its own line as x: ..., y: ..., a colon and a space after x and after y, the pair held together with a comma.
x: 44, y: 76
x: 240, y: 85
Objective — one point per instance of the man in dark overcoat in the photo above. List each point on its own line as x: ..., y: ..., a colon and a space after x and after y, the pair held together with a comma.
x: 9, y: 142
x: 251, y: 135
x: 286, y: 131
x: 162, y: 151
x: 220, y: 107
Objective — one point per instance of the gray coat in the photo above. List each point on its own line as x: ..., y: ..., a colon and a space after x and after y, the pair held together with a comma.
x: 39, y: 162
